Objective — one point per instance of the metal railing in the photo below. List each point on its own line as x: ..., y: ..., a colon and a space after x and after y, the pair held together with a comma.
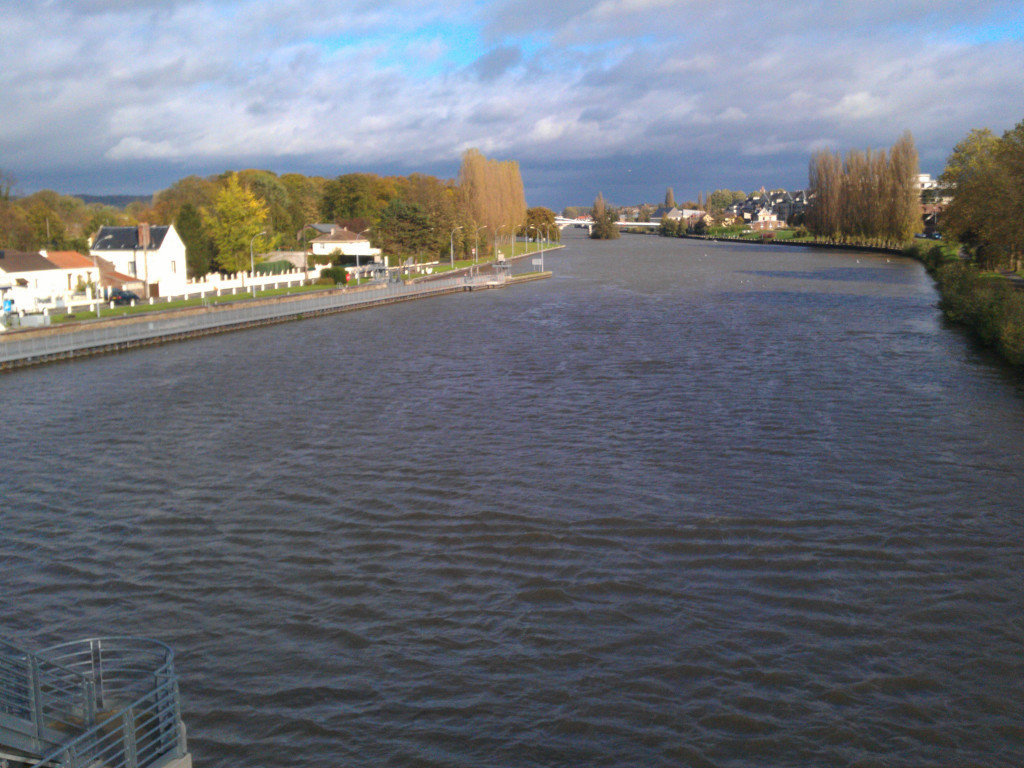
x: 105, y: 701
x: 41, y: 701
x: 154, y: 326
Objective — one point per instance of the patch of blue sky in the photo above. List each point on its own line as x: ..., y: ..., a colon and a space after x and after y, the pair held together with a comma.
x: 457, y: 46
x: 1007, y: 28
x: 983, y: 28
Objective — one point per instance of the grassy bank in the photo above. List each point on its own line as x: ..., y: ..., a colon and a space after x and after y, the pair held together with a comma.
x: 158, y: 306
x: 987, y: 304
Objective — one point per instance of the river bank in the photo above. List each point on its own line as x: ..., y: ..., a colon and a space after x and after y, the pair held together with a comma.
x: 34, y: 346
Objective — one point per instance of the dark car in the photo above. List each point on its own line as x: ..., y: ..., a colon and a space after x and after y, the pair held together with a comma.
x: 123, y: 297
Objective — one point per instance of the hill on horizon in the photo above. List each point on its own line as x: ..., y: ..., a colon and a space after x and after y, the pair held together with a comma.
x: 118, y: 201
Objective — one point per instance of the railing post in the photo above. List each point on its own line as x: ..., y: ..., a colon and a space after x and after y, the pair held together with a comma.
x: 97, y: 671
x: 35, y: 699
x: 89, y: 691
x: 131, y: 759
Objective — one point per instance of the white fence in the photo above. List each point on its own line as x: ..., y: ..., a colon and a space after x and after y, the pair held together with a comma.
x: 211, y: 285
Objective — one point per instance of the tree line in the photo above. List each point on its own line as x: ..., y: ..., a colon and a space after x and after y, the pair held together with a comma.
x: 870, y: 196
x: 220, y: 217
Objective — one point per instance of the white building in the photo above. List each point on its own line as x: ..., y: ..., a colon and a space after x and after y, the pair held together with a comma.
x: 81, y: 274
x: 154, y: 255
x: 343, y: 242
x: 28, y: 278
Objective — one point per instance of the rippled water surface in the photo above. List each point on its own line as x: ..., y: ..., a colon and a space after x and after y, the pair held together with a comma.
x: 685, y: 504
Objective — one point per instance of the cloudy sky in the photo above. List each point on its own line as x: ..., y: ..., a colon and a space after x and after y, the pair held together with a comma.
x: 626, y: 97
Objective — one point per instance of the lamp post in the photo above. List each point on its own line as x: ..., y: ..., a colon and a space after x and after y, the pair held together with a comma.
x: 252, y: 263
x: 497, y: 254
x: 96, y: 264
x: 476, y: 246
x: 300, y: 237
x: 451, y: 246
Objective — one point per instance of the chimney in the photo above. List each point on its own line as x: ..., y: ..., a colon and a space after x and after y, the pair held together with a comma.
x: 143, y: 235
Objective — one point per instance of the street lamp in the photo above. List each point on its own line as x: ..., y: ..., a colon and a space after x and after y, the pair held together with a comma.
x: 476, y: 247
x: 536, y: 229
x: 451, y: 246
x: 300, y: 236
x: 252, y: 263
x: 99, y: 276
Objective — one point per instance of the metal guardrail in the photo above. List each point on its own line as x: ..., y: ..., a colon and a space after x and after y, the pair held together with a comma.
x: 105, y: 701
x: 41, y: 701
x: 147, y: 327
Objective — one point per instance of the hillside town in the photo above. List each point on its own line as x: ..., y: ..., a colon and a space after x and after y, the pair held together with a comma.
x: 764, y: 210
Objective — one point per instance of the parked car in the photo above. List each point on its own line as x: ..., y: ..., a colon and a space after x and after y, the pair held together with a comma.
x: 123, y: 297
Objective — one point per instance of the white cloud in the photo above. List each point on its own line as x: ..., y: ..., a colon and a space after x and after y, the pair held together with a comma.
x: 365, y: 82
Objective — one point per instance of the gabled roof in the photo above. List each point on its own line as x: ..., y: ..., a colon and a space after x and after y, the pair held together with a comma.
x: 126, y: 238
x: 338, y: 236
x: 69, y: 259
x: 110, y: 277
x: 24, y: 261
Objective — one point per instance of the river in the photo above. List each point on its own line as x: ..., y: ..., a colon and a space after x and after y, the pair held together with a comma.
x: 683, y: 504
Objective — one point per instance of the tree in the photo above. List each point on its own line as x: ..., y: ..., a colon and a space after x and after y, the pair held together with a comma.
x: 604, y: 216
x: 987, y: 212
x: 670, y: 198
x: 721, y: 199
x: 356, y: 195
x: 198, y: 246
x: 235, y: 218
x: 902, y: 190
x: 493, y: 191
x: 191, y: 190
x: 404, y: 229
x: 871, y: 195
x: 543, y: 221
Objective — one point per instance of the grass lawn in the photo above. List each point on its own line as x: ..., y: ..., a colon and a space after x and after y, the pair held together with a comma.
x: 159, y: 306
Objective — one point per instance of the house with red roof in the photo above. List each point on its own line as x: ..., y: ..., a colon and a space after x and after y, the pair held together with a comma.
x: 81, y: 274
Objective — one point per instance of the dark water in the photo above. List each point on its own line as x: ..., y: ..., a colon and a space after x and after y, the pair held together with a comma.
x: 682, y: 505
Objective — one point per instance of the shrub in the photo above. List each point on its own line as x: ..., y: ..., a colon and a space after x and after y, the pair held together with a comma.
x: 273, y: 267
x: 335, y: 275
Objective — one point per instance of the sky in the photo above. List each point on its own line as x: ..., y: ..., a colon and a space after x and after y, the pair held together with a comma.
x: 621, y: 97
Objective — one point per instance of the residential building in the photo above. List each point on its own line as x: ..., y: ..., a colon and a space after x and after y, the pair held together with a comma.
x: 29, y: 278
x: 155, y: 255
x: 81, y: 274
x: 340, y: 241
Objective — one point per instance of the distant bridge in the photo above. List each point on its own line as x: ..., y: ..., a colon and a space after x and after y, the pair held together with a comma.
x: 587, y: 223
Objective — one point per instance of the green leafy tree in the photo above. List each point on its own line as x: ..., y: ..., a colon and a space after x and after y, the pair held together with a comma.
x: 542, y: 220
x: 987, y: 212
x: 234, y: 219
x: 198, y: 245
x: 356, y: 195
x: 404, y: 230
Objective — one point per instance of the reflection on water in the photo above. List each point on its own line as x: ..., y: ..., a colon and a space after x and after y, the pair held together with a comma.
x: 682, y: 504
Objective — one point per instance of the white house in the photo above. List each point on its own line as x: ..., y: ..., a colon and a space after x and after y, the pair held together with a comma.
x: 80, y: 272
x: 28, y: 278
x: 346, y: 243
x: 154, y: 255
